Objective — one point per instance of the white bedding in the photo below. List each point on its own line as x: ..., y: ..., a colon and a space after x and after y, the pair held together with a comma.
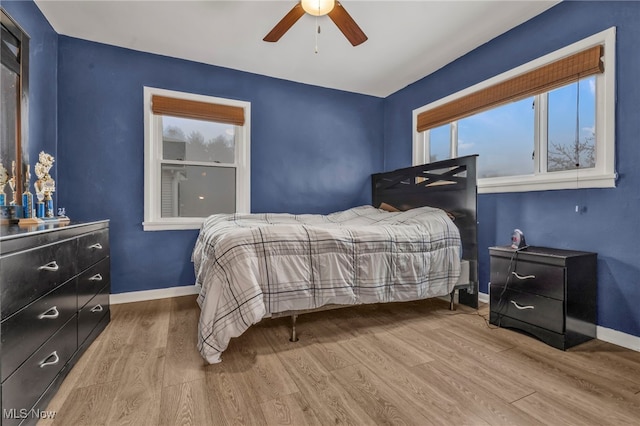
x: 250, y: 265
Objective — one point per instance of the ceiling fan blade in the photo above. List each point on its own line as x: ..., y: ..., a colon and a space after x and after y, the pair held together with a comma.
x: 347, y: 25
x: 285, y: 23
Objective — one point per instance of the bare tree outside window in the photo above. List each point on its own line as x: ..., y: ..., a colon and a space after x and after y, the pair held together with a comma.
x: 571, y: 128
x: 581, y: 156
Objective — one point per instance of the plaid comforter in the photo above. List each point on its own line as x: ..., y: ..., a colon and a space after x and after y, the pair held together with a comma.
x: 251, y: 265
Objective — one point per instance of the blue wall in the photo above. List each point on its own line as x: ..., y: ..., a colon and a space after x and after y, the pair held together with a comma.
x: 43, y: 71
x: 548, y: 218
x: 312, y: 149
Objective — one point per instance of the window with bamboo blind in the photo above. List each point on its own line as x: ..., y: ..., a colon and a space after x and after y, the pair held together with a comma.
x: 196, y: 158
x: 548, y: 124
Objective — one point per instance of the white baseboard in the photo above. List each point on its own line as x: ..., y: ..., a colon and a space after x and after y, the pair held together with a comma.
x: 483, y: 297
x: 162, y: 293
x: 618, y: 338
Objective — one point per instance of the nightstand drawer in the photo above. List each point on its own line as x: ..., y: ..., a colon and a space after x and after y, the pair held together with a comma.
x: 92, y: 248
x: 29, y: 328
x: 27, y: 275
x: 536, y: 310
x: 25, y: 386
x: 92, y: 280
x: 530, y: 277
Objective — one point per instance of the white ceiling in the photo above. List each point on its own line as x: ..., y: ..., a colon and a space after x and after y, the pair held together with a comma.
x: 407, y: 39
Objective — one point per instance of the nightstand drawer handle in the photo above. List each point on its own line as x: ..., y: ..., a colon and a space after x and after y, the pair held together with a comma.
x: 50, y: 313
x: 522, y: 308
x: 96, y: 246
x: 523, y: 277
x: 97, y: 308
x: 51, y: 266
x: 96, y: 277
x: 56, y: 359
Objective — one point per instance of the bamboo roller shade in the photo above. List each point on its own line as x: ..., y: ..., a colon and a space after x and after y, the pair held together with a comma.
x: 197, y: 110
x: 539, y: 80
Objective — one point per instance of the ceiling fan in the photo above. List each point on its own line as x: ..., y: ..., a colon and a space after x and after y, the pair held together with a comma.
x: 333, y: 8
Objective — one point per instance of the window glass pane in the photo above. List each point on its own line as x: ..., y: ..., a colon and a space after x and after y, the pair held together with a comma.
x: 197, y: 140
x: 565, y: 149
x: 197, y: 191
x: 9, y: 117
x: 440, y: 143
x: 503, y: 137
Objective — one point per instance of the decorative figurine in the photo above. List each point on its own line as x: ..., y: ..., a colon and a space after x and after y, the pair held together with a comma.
x: 12, y: 184
x: 45, y: 185
x: 4, y: 178
x: 27, y: 198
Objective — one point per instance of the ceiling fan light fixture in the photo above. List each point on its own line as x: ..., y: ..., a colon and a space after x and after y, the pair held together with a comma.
x: 318, y: 7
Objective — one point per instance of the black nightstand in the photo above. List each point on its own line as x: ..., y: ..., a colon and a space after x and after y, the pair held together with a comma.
x: 548, y: 293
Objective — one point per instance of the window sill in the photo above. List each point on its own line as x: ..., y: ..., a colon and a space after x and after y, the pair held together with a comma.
x: 547, y: 182
x: 173, y: 225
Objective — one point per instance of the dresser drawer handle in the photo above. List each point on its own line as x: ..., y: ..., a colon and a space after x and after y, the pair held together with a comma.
x: 96, y: 277
x: 97, y: 246
x: 51, y: 266
x: 97, y: 308
x: 523, y: 277
x: 56, y: 359
x: 522, y: 308
x: 50, y: 313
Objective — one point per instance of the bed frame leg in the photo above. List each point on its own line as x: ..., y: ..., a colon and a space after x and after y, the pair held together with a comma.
x: 452, y: 306
x: 294, y: 337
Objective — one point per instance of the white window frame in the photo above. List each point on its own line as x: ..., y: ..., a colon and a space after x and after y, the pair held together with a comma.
x: 603, y: 175
x: 153, y: 220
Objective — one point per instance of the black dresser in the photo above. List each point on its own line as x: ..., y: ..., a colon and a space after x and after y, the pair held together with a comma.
x: 548, y: 293
x: 54, y: 301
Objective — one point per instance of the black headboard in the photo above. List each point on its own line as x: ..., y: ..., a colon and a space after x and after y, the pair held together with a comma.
x: 450, y: 185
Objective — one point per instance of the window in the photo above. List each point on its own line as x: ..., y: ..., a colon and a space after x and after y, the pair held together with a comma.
x: 196, y: 158
x: 14, y: 81
x: 548, y: 124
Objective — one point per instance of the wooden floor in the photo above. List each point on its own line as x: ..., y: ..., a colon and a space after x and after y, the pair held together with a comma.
x: 412, y: 363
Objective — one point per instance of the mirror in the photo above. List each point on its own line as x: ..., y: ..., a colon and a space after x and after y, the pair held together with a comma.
x: 14, y: 81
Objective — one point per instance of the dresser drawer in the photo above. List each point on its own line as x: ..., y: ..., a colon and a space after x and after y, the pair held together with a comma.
x: 92, y: 280
x: 92, y: 313
x: 536, y: 310
x: 27, y: 329
x: 23, y: 388
x: 92, y: 248
x: 530, y: 277
x: 27, y: 275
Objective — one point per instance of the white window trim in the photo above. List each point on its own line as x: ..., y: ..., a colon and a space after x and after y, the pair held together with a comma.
x: 602, y: 176
x: 153, y: 221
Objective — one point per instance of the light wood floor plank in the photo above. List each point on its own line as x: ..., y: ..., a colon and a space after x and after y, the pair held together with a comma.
x: 475, y: 362
x: 291, y: 410
x: 583, y: 390
x: 383, y: 403
x: 412, y: 363
x: 183, y: 363
x: 426, y: 396
x: 153, y: 325
x: 485, y: 405
x: 321, y: 333
x: 137, y: 400
x: 87, y: 405
x: 549, y: 410
x: 185, y: 404
x: 321, y: 390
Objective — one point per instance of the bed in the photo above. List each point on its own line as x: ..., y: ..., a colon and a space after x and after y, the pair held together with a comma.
x: 250, y: 266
